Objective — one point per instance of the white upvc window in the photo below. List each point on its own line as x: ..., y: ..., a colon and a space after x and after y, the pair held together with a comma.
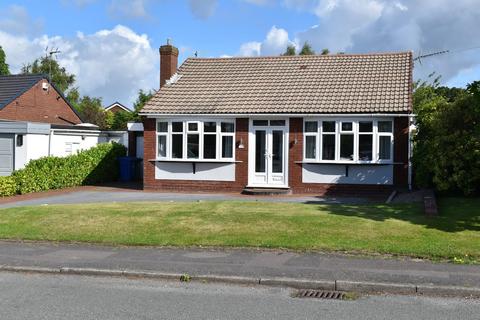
x: 345, y: 140
x: 195, y: 140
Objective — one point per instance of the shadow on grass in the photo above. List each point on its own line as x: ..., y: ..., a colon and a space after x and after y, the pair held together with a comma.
x: 456, y: 214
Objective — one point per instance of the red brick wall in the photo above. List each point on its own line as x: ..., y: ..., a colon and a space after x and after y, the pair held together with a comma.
x: 38, y: 105
x: 241, y: 167
x: 295, y: 145
x: 400, y: 152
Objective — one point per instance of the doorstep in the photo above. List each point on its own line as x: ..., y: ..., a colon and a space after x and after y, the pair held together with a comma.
x: 255, y: 191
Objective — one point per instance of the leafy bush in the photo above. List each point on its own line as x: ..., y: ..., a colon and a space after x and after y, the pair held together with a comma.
x: 8, y: 187
x: 447, y: 144
x: 95, y: 165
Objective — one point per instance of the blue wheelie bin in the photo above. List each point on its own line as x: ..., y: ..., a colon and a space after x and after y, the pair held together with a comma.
x: 127, y: 168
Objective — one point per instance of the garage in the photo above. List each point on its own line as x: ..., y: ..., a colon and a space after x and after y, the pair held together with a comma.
x: 6, y: 154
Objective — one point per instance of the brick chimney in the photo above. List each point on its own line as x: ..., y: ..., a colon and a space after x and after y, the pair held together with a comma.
x: 168, y: 62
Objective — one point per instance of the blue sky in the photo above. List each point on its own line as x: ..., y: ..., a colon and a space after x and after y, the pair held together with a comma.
x: 112, y: 45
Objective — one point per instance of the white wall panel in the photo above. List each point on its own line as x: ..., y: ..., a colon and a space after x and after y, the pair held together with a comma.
x: 357, y: 174
x: 204, y: 171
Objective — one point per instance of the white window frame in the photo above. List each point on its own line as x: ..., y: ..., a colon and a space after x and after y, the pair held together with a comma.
x: 356, y: 134
x: 311, y: 134
x: 384, y: 134
x: 185, y: 132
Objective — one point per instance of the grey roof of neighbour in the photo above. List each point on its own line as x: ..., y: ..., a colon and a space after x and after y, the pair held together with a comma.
x: 360, y: 83
x: 13, y: 86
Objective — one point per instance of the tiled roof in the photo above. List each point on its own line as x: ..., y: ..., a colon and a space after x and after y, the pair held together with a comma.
x: 13, y: 86
x: 366, y: 83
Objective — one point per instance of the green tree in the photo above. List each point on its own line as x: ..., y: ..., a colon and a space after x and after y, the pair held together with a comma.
x: 142, y: 99
x: 91, y: 111
x: 325, y: 52
x: 306, y: 50
x: 447, y: 141
x: 290, y: 51
x: 3, y: 63
x: 47, y: 65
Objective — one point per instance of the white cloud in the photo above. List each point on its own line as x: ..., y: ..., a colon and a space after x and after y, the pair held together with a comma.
x: 275, y: 43
x: 16, y: 20
x: 386, y: 25
x: 112, y: 64
x: 250, y: 49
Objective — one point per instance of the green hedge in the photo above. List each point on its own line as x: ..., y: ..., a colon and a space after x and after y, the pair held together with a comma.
x: 8, y: 187
x: 95, y: 165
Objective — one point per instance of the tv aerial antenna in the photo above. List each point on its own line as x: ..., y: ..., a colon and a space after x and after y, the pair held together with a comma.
x: 423, y: 56
x: 49, y: 56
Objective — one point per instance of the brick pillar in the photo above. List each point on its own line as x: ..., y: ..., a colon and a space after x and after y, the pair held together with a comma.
x: 241, y: 168
x: 295, y: 145
x: 149, y: 141
x: 400, y: 152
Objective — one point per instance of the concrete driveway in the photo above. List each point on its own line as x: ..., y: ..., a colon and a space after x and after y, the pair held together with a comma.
x: 122, y: 194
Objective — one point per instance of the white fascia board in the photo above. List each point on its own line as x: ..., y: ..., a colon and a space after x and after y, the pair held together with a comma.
x: 135, y: 126
x: 256, y: 115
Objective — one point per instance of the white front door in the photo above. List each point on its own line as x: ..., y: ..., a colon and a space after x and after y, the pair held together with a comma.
x: 268, y: 153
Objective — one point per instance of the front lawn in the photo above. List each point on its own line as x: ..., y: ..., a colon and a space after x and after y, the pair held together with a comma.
x: 387, y: 229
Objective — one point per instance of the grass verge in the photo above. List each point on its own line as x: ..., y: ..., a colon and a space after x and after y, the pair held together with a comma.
x: 376, y: 229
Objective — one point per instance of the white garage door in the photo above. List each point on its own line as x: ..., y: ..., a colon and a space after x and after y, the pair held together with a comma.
x: 6, y: 154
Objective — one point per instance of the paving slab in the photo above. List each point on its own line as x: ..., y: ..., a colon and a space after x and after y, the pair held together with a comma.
x: 240, y: 263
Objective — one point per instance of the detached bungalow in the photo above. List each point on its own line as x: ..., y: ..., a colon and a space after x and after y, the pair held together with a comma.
x: 301, y: 124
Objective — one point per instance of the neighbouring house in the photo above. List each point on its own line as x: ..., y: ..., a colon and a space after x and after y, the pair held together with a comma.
x: 303, y: 124
x: 117, y: 107
x: 27, y: 97
x: 36, y: 120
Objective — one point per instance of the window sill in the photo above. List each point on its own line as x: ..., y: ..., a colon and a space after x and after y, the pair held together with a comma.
x: 347, y: 162
x: 196, y: 160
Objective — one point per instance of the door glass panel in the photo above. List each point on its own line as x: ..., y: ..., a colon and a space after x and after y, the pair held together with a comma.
x: 277, y: 151
x: 260, y: 150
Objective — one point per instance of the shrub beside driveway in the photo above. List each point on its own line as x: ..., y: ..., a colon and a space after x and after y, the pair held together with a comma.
x: 371, y: 229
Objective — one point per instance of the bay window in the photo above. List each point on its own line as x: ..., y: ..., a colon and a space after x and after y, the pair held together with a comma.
x: 357, y: 141
x: 195, y: 140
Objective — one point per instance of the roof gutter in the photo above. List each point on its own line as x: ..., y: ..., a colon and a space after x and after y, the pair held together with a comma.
x: 235, y: 115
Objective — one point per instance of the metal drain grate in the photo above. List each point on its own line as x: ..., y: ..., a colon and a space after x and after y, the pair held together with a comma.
x: 320, y: 294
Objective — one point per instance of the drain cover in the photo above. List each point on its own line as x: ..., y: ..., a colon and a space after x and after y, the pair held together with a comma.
x: 321, y: 294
